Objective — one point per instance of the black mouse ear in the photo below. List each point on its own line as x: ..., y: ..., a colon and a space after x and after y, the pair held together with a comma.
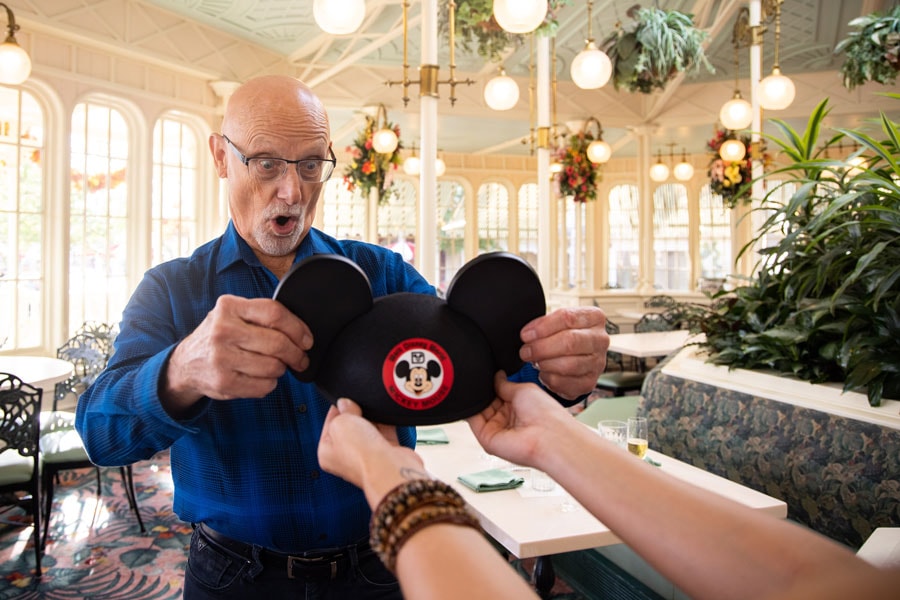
x: 501, y: 293
x: 326, y: 291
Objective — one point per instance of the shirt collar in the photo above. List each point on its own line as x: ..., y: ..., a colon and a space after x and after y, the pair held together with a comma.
x: 234, y: 248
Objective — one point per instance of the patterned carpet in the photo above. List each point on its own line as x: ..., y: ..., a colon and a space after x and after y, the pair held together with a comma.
x: 95, y: 549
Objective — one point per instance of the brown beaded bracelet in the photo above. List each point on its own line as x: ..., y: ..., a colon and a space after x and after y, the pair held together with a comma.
x: 410, y: 507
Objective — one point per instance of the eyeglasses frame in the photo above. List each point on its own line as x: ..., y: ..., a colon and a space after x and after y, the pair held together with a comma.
x: 246, y: 161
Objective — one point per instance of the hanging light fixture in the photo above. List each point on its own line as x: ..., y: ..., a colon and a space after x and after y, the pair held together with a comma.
x: 15, y: 65
x: 732, y: 149
x: 598, y: 151
x: 339, y: 17
x: 384, y: 140
x: 591, y: 68
x: 520, y: 16
x: 684, y: 170
x: 501, y: 91
x: 440, y: 167
x: 776, y: 92
x: 659, y: 172
x: 737, y: 113
x: 412, y: 165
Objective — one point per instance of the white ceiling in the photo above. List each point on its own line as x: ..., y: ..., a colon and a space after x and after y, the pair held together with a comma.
x: 349, y: 72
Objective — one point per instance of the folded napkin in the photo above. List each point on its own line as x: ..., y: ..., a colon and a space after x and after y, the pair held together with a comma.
x: 491, y: 480
x: 431, y: 436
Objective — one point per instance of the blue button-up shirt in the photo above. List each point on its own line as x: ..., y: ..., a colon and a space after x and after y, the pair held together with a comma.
x: 246, y: 467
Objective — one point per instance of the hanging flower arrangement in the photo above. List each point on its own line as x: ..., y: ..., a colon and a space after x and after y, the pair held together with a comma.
x: 731, y: 178
x: 579, y: 176
x: 369, y: 169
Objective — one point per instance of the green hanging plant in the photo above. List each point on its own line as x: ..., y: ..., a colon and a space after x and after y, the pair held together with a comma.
x: 660, y: 44
x: 873, y: 50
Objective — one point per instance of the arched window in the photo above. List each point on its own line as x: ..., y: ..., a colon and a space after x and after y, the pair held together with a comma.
x: 343, y: 211
x: 672, y: 262
x: 451, y: 234
x: 397, y: 220
x: 715, y: 236
x: 175, y: 190
x: 98, y: 288
x: 493, y: 218
x: 624, y: 237
x: 21, y: 219
x: 528, y: 223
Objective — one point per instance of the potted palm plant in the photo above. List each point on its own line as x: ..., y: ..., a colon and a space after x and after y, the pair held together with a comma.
x: 825, y: 305
x: 660, y: 43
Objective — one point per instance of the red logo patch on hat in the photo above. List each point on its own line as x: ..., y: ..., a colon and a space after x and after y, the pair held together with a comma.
x: 417, y: 374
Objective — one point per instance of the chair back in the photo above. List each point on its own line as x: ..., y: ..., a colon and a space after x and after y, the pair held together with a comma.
x: 88, y: 355
x: 660, y: 301
x: 653, y: 322
x: 613, y: 357
x: 103, y: 332
x: 20, y: 412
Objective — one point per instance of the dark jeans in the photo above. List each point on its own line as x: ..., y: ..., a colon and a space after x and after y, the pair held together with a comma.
x: 214, y: 573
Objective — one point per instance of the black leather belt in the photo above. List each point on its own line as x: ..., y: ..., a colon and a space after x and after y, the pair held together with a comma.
x: 307, y: 566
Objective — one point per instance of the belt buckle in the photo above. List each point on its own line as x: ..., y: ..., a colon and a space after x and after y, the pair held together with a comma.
x: 318, y: 562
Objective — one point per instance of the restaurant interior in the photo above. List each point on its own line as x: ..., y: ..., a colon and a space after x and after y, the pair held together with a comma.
x: 457, y: 136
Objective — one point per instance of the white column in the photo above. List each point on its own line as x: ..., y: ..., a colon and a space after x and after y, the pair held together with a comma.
x: 542, y: 93
x: 426, y: 245
x: 744, y: 227
x: 647, y: 260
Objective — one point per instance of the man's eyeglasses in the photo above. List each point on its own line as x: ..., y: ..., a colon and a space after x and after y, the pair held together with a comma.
x: 267, y: 168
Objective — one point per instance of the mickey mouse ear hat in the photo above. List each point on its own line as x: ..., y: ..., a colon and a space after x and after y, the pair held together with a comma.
x: 413, y: 359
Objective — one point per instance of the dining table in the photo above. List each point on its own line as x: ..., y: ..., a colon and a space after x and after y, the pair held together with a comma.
x: 650, y: 344
x: 532, y: 524
x: 39, y: 371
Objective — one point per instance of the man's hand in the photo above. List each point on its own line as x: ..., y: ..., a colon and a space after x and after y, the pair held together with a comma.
x: 568, y: 347
x: 239, y: 350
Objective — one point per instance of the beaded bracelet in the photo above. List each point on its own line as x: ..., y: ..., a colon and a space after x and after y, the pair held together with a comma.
x: 410, y: 507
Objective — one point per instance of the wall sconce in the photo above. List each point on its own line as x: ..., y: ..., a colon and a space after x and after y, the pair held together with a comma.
x: 428, y: 74
x: 737, y: 113
x: 598, y: 151
x: 339, y: 17
x: 15, y: 65
x: 384, y: 140
x: 501, y: 92
x: 684, y: 170
x: 776, y: 92
x: 659, y: 172
x: 520, y: 16
x: 591, y: 68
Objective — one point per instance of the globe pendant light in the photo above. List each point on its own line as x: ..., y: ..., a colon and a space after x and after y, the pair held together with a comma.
x: 412, y: 165
x: 15, y: 65
x: 339, y: 17
x: 599, y: 151
x: 440, y: 167
x: 737, y: 113
x: 776, y: 92
x: 591, y: 68
x: 684, y: 170
x: 384, y: 140
x: 501, y: 92
x: 659, y: 172
x: 520, y: 16
x: 732, y: 150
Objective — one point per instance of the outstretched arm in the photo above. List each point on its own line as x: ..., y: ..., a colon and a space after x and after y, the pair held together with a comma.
x: 440, y: 561
x: 707, y: 545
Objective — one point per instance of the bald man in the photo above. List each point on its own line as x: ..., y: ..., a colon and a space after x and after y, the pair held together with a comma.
x: 201, y: 367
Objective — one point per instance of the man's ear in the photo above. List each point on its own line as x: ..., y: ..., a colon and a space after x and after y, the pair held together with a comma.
x: 218, y: 150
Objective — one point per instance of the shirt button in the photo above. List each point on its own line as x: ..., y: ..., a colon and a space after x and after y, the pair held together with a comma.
x: 323, y: 536
x: 314, y: 474
x: 301, y: 409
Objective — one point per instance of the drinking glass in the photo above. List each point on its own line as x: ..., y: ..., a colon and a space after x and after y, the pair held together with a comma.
x: 614, y: 431
x: 542, y: 482
x: 637, y: 436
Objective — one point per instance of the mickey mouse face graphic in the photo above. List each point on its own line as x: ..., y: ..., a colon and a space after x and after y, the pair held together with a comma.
x: 413, y: 359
